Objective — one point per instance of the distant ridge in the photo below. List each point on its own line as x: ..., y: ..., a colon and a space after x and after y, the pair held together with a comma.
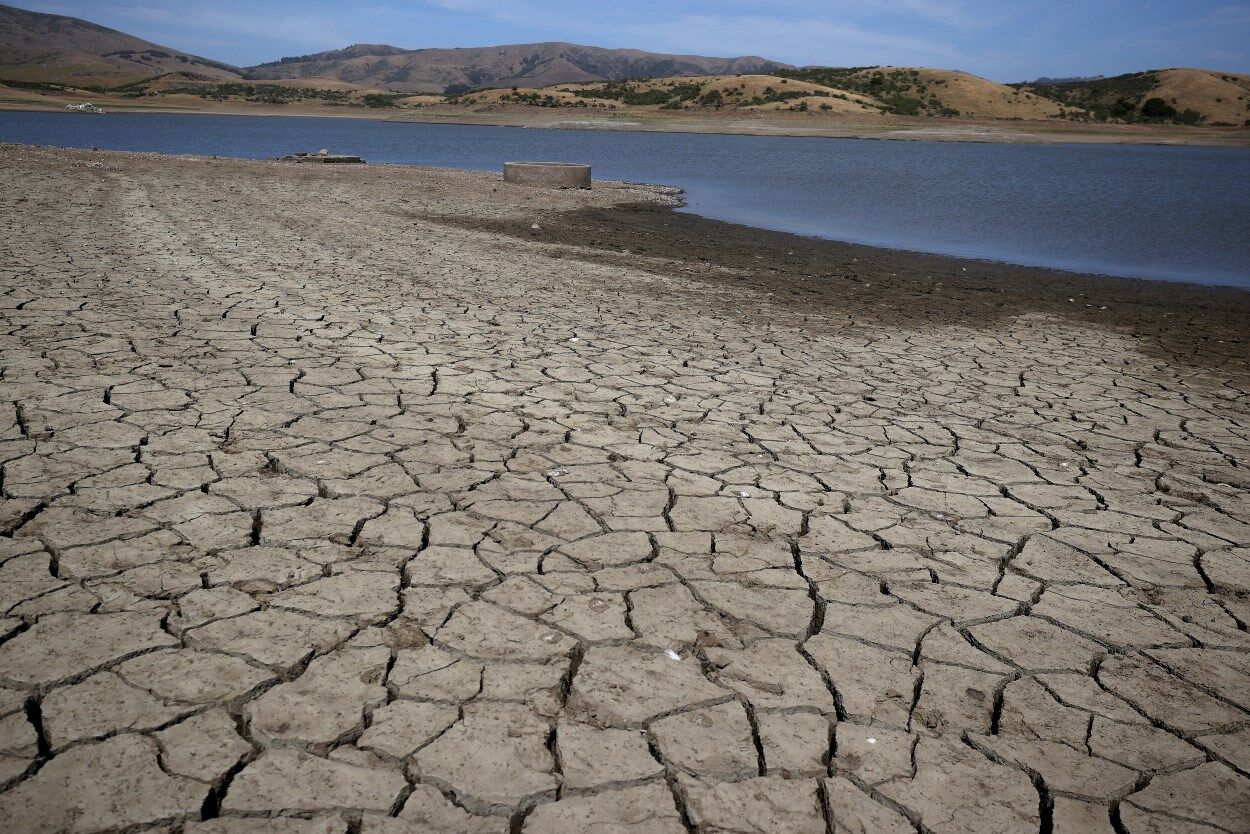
x: 58, y: 49
x: 1072, y: 79
x: 520, y: 65
x: 40, y: 51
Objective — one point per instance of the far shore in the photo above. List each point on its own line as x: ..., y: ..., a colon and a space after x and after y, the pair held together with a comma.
x: 772, y: 124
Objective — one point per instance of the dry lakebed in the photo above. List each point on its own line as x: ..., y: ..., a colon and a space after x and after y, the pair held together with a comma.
x: 388, y: 499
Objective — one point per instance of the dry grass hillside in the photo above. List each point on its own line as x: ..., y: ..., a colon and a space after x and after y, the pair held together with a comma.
x: 47, y: 48
x: 895, y: 90
x: 1185, y: 95
x: 314, y: 82
x: 751, y: 92
x: 918, y: 91
x: 182, y: 88
x: 972, y: 95
x: 1218, y: 96
x: 53, y: 57
x: 524, y: 65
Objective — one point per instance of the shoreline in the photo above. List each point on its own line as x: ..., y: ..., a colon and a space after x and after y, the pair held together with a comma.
x: 898, y: 287
x: 956, y: 258
x: 959, y: 260
x: 900, y: 129
x: 950, y: 259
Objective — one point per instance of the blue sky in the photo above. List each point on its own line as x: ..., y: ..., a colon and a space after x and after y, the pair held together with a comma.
x: 1006, y: 40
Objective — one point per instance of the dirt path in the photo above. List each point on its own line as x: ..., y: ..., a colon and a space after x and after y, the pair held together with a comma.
x: 346, y: 495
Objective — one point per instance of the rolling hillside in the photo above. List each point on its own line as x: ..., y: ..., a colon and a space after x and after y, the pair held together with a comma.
x: 187, y: 87
x: 1189, y: 96
x: 49, y: 55
x: 523, y: 65
x: 747, y: 92
x: 48, y: 48
x: 852, y: 91
x: 917, y: 91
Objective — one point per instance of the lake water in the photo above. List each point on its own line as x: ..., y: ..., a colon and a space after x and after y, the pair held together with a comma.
x: 1172, y: 213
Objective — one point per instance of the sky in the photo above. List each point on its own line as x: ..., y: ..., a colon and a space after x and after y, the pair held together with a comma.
x: 1005, y: 40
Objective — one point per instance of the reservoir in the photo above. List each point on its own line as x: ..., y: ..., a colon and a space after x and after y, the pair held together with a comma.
x: 1168, y: 213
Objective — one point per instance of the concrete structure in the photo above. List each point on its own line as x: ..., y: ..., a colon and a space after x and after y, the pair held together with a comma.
x: 322, y: 156
x: 549, y: 174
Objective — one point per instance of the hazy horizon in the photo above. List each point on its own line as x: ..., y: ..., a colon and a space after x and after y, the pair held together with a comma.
x: 1004, y: 41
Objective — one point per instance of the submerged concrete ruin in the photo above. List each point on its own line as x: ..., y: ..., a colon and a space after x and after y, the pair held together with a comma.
x: 548, y: 174
x: 322, y: 156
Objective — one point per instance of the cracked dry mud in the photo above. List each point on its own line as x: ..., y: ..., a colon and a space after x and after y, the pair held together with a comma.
x: 346, y: 500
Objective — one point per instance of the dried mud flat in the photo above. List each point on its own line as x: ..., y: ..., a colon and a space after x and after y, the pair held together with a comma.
x: 347, y: 500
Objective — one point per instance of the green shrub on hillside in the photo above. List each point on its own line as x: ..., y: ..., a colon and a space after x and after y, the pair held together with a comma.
x: 902, y: 91
x: 383, y: 99
x: 1157, y: 108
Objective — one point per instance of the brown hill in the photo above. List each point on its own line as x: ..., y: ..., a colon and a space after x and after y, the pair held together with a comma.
x: 521, y: 65
x: 748, y: 92
x: 1196, y: 96
x: 876, y: 90
x: 919, y: 91
x: 1218, y: 96
x: 48, y: 48
x: 65, y: 50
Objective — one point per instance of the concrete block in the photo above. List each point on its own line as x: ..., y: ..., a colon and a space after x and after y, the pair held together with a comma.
x: 547, y: 174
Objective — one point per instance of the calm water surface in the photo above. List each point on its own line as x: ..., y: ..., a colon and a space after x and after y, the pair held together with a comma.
x: 1171, y: 213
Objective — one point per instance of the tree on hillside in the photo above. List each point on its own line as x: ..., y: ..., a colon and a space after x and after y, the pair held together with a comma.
x: 1157, y: 108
